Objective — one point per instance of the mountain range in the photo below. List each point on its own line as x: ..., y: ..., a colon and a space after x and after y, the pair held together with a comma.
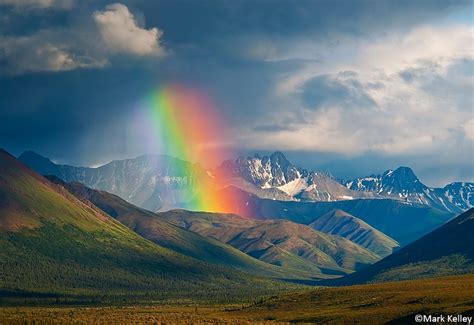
x: 402, y: 183
x: 63, y: 238
x: 160, y: 183
x: 289, y: 250
x: 276, y: 172
x: 56, y: 244
x: 270, y: 187
x: 152, y: 182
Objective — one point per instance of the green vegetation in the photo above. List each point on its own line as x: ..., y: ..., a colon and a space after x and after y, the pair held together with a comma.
x: 56, y: 246
x: 154, y: 227
x: 445, y: 266
x: 96, y: 266
x: 396, y: 303
x: 369, y: 304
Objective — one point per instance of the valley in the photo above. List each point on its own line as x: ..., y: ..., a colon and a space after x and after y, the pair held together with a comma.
x: 393, y: 303
x: 236, y: 162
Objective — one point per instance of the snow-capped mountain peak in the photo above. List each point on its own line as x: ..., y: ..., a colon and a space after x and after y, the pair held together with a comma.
x: 275, y: 171
x: 402, y: 183
x: 267, y: 171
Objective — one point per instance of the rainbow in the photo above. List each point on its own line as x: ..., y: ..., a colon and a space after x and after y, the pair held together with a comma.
x: 191, y: 129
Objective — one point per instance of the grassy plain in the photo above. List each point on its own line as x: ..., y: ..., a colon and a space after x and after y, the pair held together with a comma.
x: 391, y: 302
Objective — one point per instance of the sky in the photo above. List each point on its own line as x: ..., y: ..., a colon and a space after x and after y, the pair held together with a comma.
x: 348, y: 87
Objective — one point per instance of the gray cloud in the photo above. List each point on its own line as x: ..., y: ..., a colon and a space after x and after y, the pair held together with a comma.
x: 45, y: 51
x: 88, y: 42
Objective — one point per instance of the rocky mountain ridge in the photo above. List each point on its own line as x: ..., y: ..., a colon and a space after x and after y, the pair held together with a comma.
x: 160, y: 182
x: 403, y: 184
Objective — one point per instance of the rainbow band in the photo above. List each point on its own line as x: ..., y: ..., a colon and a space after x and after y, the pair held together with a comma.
x: 190, y: 129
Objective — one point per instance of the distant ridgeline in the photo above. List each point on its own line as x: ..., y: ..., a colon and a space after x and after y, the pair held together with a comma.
x: 395, y: 203
x: 160, y: 182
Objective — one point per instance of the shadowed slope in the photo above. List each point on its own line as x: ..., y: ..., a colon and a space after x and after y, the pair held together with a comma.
x: 446, y: 251
x: 338, y: 222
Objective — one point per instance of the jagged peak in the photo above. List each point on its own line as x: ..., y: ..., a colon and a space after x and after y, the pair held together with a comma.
x: 405, y: 173
x: 278, y: 155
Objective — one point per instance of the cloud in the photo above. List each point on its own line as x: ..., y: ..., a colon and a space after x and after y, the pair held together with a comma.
x: 91, y: 41
x: 399, y: 93
x: 121, y: 34
x: 468, y: 128
x: 391, y: 78
x: 43, y: 51
x: 38, y: 4
x: 326, y: 90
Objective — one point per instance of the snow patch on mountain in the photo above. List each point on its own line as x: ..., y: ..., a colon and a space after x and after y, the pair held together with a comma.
x: 294, y: 187
x: 403, y: 184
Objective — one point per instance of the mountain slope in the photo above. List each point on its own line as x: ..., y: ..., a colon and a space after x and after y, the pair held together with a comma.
x: 403, y: 184
x: 51, y: 242
x: 152, y: 182
x: 153, y: 227
x: 339, y: 222
x: 402, y: 221
x: 278, y: 242
x: 459, y: 194
x: 447, y: 250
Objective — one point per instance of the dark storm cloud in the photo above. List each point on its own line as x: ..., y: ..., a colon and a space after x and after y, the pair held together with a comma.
x: 233, y: 50
x: 208, y: 21
x: 56, y: 122
x: 209, y: 26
